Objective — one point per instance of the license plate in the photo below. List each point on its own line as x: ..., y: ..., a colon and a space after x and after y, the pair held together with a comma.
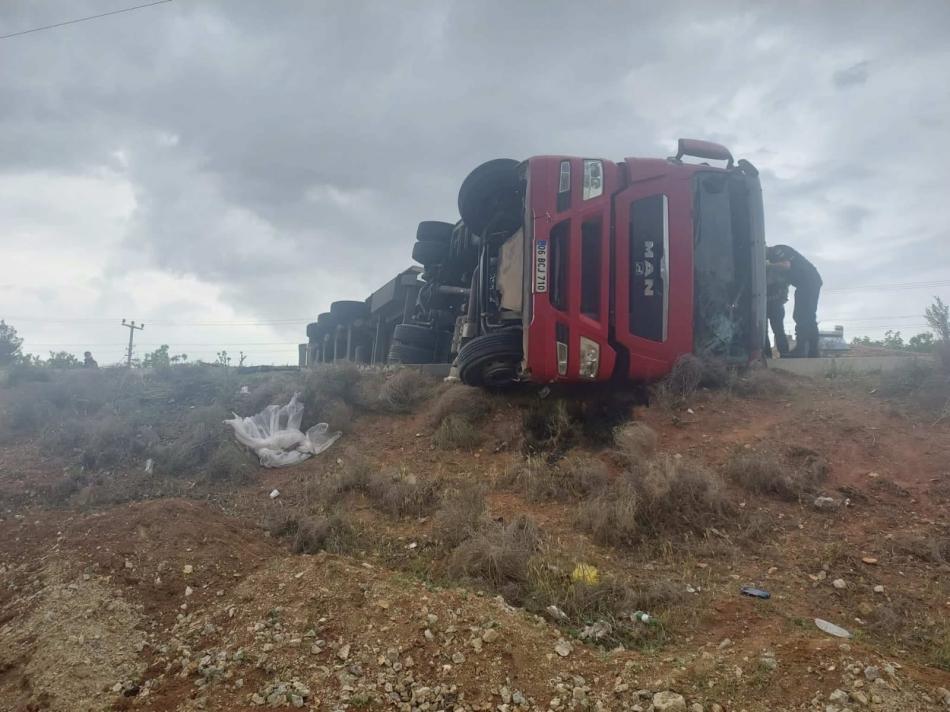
x: 541, y: 266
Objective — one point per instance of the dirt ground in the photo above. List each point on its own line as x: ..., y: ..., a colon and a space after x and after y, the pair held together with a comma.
x: 185, y: 599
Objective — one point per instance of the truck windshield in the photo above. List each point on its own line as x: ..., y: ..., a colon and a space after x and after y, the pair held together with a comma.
x: 723, y: 261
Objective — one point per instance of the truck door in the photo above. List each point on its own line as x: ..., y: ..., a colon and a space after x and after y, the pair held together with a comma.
x: 653, y: 266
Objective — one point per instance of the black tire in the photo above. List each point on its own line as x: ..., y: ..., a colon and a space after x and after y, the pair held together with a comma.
x: 430, y: 253
x: 491, y: 360
x: 421, y: 337
x: 434, y: 231
x: 490, y: 190
x: 349, y: 311
x: 401, y: 353
x: 312, y: 330
x: 324, y: 318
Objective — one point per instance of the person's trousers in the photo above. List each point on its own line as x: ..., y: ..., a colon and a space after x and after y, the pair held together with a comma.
x: 775, y: 312
x: 806, y: 319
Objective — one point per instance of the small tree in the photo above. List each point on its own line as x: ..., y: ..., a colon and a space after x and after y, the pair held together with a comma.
x: 893, y: 339
x: 62, y: 359
x: 921, y: 343
x: 938, y: 319
x: 223, y: 358
x: 10, y: 344
x: 161, y: 358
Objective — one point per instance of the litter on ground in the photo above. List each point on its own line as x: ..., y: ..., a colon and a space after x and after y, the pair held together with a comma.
x: 274, y: 435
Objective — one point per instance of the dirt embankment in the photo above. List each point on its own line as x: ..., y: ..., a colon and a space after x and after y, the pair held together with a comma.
x: 199, y: 601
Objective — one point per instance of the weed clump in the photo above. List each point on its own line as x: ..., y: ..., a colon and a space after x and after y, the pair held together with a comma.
x: 497, y: 555
x: 552, y: 426
x: 399, y: 494
x: 472, y: 404
x: 635, y: 442
x: 404, y: 391
x: 461, y: 513
x: 920, y: 387
x: 331, y: 533
x: 767, y: 474
x: 663, y: 496
x: 571, y: 478
x: 457, y: 432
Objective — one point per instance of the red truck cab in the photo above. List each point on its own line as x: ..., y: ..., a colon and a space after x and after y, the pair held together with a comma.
x: 576, y: 269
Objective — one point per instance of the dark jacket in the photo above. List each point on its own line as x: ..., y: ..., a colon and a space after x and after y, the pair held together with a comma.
x: 802, y: 272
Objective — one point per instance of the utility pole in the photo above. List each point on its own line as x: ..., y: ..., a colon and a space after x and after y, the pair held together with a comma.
x: 131, y: 326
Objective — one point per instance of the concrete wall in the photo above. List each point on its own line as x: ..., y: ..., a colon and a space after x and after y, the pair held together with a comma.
x: 821, y: 367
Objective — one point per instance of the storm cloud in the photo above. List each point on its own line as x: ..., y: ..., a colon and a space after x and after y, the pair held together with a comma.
x: 210, y: 166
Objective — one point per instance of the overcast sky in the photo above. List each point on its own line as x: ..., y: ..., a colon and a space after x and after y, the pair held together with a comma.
x: 224, y: 170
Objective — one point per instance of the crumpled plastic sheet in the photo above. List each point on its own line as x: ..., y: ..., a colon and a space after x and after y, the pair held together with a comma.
x: 274, y: 435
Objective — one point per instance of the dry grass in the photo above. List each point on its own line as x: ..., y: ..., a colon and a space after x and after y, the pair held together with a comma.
x: 404, y: 390
x: 552, y: 426
x: 920, y: 386
x: 635, y: 442
x: 332, y: 533
x: 457, y: 432
x: 497, y: 556
x: 460, y: 514
x: 787, y: 478
x: 664, y: 496
x: 472, y: 404
x: 401, y: 494
x: 571, y: 478
x: 761, y: 383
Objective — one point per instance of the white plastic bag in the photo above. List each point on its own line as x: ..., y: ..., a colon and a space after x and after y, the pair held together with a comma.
x: 275, y: 435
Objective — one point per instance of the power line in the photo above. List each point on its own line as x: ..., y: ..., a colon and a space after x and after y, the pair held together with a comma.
x: 897, y: 286
x: 161, y: 322
x: 82, y: 19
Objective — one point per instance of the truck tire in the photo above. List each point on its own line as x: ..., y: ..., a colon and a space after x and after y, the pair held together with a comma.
x: 491, y: 360
x: 434, y: 231
x: 421, y: 337
x: 430, y: 253
x: 401, y: 353
x: 313, y: 329
x: 348, y: 311
x: 490, y: 190
x: 324, y: 318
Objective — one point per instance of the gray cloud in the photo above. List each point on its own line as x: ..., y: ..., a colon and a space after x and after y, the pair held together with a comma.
x: 282, y: 159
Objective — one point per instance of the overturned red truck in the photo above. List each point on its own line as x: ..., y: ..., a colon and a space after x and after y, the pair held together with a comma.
x: 574, y: 270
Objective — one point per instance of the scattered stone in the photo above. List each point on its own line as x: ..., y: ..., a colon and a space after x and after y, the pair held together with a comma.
x: 556, y: 613
x: 563, y: 648
x: 825, y: 503
x: 725, y: 643
x: 768, y: 661
x: 667, y: 701
x: 490, y: 635
x: 859, y: 697
x: 943, y: 694
x: 838, y: 696
x: 274, y: 493
x: 879, y: 589
x: 871, y: 673
x: 344, y: 652
x: 839, y: 584
x: 870, y: 560
x: 458, y: 658
x: 696, y: 707
x: 188, y: 568
x: 865, y: 608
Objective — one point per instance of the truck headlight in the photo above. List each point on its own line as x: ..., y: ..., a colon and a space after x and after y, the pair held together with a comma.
x: 589, y: 358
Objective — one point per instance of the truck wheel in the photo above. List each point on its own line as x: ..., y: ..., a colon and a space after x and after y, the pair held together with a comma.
x: 430, y: 253
x: 401, y: 353
x: 491, y: 189
x: 434, y: 231
x: 347, y: 311
x: 313, y: 328
x: 491, y: 360
x: 421, y: 337
x: 324, y: 318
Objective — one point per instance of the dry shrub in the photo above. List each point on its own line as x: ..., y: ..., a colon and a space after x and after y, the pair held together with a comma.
x: 761, y: 383
x: 636, y: 442
x: 611, y: 516
x: 337, y: 381
x: 331, y: 533
x: 920, y: 386
x: 460, y: 514
x: 457, y: 432
x: 230, y: 463
x: 664, y: 496
x: 354, y: 476
x: 925, y: 547
x: 553, y: 426
x: 472, y: 404
x: 785, y: 478
x: 497, y: 555
x: 571, y: 478
x: 336, y: 414
x: 405, y: 390
x: 685, y: 377
x: 110, y: 441
x: 202, y: 432
x: 400, y: 494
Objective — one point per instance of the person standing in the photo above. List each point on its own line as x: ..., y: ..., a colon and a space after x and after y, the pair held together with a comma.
x: 801, y: 274
x: 776, y: 295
